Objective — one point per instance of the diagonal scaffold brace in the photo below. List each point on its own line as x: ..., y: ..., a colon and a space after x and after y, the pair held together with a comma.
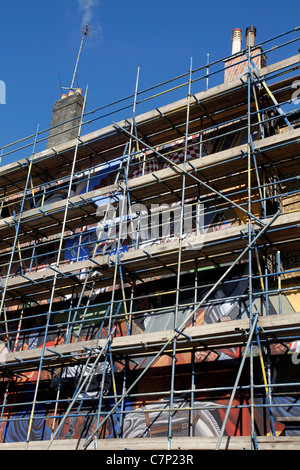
x: 182, y: 327
x: 83, y: 383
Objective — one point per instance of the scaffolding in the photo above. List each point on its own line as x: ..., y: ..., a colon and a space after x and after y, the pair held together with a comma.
x: 165, y: 257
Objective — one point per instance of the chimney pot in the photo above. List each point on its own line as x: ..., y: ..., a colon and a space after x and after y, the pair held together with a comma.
x: 250, y: 35
x: 236, y: 39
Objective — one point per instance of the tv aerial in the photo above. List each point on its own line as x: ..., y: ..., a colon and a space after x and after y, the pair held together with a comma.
x: 84, y: 34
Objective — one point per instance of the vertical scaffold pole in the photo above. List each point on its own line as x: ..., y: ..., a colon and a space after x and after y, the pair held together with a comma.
x: 181, y: 231
x: 56, y: 271
x: 83, y: 382
x: 245, y: 353
x: 17, y: 227
x: 249, y: 193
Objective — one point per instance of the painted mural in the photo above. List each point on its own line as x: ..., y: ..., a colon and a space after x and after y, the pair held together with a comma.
x: 213, y: 373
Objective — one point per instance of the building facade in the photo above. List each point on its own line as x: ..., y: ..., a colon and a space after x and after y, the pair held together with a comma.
x: 150, y: 269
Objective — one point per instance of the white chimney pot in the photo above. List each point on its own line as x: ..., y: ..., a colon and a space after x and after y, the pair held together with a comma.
x: 236, y: 39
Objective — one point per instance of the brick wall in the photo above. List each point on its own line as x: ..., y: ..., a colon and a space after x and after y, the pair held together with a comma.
x: 291, y: 202
x: 291, y: 262
x: 234, y: 72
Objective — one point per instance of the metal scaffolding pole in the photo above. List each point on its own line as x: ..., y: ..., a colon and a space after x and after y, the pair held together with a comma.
x: 17, y: 229
x: 55, y: 276
x: 249, y: 194
x: 117, y: 266
x: 245, y: 353
x: 83, y: 383
x: 181, y: 226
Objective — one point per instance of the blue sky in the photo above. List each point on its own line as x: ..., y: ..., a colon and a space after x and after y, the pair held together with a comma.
x: 40, y: 43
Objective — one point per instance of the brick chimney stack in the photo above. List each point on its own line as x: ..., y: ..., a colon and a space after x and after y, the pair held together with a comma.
x: 65, y: 118
x: 233, y: 71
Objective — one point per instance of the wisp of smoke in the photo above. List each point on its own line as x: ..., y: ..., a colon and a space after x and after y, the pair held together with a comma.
x: 95, y: 31
x: 87, y: 7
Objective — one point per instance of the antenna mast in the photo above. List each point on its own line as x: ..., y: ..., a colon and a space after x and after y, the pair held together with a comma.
x: 75, y: 70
